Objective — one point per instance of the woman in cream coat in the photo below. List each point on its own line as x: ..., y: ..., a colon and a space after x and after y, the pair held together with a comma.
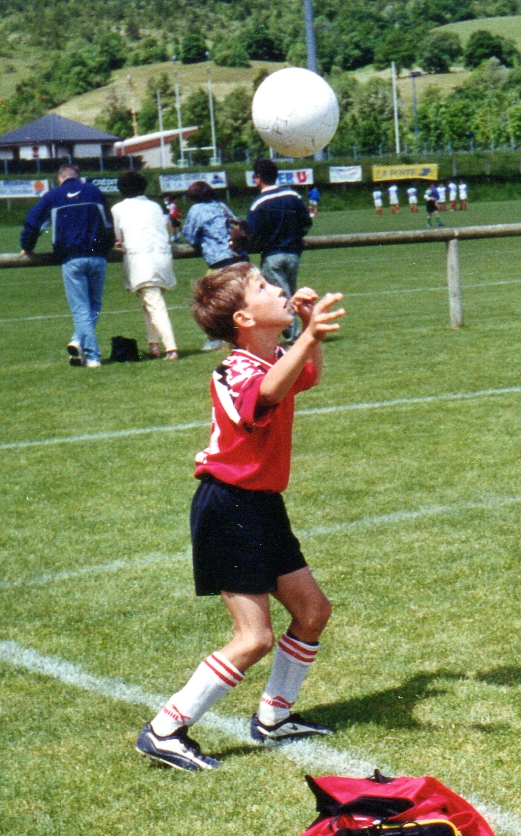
x: 142, y: 233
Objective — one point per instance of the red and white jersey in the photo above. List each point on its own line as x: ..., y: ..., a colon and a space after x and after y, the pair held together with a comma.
x: 250, y: 448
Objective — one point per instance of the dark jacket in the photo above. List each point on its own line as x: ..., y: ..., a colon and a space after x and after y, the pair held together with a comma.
x: 278, y: 220
x: 81, y: 221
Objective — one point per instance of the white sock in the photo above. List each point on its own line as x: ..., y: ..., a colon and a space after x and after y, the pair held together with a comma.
x: 290, y: 666
x: 214, y: 678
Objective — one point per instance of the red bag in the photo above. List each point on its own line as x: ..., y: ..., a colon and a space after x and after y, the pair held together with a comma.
x: 391, y: 807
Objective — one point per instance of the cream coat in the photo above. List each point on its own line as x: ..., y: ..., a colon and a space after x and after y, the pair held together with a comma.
x: 141, y: 227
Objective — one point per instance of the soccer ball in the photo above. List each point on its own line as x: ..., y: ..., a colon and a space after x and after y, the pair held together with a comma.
x: 295, y: 112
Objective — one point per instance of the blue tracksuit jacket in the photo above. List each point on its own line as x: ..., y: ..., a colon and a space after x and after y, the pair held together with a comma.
x: 81, y: 221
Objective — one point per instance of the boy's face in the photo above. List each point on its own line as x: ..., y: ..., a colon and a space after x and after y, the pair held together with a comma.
x: 266, y: 304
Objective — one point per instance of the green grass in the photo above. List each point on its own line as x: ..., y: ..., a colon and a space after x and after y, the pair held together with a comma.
x: 408, y: 514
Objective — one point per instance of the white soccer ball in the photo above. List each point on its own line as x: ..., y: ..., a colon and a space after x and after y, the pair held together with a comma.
x: 295, y: 112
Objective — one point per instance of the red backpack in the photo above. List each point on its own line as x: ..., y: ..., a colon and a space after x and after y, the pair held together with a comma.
x: 381, y: 806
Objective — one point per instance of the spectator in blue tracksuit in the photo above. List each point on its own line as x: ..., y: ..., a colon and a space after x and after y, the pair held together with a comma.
x: 278, y: 220
x: 82, y: 236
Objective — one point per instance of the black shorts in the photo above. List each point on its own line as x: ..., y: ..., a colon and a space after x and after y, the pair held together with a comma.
x: 242, y: 540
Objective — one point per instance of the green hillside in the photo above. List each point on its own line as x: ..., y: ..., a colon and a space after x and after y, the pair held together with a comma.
x: 506, y: 27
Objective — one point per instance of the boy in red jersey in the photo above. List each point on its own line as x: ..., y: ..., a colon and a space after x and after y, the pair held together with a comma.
x: 243, y: 546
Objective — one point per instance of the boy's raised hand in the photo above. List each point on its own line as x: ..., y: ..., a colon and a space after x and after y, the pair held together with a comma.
x: 316, y: 315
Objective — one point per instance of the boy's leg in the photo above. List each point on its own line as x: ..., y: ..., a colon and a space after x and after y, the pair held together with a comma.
x: 164, y: 739
x: 296, y: 651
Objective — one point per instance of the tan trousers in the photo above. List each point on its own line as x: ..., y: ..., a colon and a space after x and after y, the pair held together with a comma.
x: 157, y: 321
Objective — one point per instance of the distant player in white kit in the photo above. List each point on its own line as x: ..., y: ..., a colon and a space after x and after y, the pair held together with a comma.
x: 412, y: 194
x: 453, y: 195
x: 442, y: 204
x: 394, y: 200
x: 378, y: 202
x: 462, y: 191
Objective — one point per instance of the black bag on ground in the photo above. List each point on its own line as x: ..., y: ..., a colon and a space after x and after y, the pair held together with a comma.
x: 124, y: 350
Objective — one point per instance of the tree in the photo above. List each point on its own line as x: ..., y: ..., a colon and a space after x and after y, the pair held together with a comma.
x: 483, y: 45
x: 439, y: 51
x: 112, y: 47
x: 116, y: 117
x: 432, y: 119
x: 259, y: 45
x: 231, y: 54
x: 193, y: 48
x: 396, y: 46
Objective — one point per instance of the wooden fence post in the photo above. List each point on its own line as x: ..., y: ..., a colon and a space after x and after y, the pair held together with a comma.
x: 454, y: 282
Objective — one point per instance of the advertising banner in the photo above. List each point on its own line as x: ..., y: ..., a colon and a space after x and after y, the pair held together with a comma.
x: 405, y: 172
x: 181, y: 182
x: 289, y: 177
x: 107, y: 185
x: 345, y: 173
x: 23, y: 188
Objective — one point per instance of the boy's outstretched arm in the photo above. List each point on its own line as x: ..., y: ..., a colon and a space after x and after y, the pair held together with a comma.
x: 318, y: 321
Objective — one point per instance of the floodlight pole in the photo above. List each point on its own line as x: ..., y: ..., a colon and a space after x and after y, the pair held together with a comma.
x: 214, y: 160
x: 395, y: 108
x: 311, y: 51
x: 161, y: 137
x: 178, y: 107
x: 414, y: 76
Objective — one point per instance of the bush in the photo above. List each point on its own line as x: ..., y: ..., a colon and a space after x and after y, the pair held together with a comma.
x: 193, y: 48
x: 231, y: 54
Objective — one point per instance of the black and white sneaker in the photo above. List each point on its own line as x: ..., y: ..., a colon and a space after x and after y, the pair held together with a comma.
x: 177, y: 750
x: 292, y: 728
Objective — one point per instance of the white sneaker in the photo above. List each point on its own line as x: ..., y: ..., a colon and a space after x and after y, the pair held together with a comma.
x: 212, y: 345
x: 92, y: 364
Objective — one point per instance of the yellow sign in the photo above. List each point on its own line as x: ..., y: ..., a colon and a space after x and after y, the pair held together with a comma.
x: 405, y: 172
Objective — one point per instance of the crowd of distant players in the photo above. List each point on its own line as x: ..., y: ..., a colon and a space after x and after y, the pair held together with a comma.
x: 436, y: 196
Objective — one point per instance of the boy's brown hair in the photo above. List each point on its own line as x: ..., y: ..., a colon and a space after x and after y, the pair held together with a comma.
x: 218, y: 296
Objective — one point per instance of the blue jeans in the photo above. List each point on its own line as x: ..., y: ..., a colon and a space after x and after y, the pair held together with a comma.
x: 84, y: 279
x: 281, y: 269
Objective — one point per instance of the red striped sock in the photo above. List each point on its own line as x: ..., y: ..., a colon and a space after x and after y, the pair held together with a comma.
x: 290, y: 666
x: 214, y: 678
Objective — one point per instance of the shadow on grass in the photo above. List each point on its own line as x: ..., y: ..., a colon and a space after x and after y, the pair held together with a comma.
x: 509, y: 675
x: 392, y: 708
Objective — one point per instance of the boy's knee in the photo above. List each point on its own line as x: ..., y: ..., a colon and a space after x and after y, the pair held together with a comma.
x: 258, y: 644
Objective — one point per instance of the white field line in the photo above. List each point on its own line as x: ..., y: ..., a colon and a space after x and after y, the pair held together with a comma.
x: 68, y: 315
x: 311, y: 755
x: 391, y: 292
x: 97, y: 569
x: 369, y: 522
x: 323, y: 410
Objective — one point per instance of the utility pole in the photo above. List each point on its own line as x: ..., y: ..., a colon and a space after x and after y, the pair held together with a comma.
x: 311, y: 51
x: 214, y: 160
x: 161, y: 137
x: 178, y: 107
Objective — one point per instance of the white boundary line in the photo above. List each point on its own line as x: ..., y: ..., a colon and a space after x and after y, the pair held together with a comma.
x: 310, y: 754
x: 405, y: 290
x: 321, y: 410
x: 316, y: 531
x: 68, y: 315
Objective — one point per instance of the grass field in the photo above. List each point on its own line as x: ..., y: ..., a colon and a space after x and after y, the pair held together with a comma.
x: 405, y: 493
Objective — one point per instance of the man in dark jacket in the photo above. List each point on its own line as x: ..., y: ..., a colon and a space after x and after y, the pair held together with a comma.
x: 82, y: 236
x: 278, y: 220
